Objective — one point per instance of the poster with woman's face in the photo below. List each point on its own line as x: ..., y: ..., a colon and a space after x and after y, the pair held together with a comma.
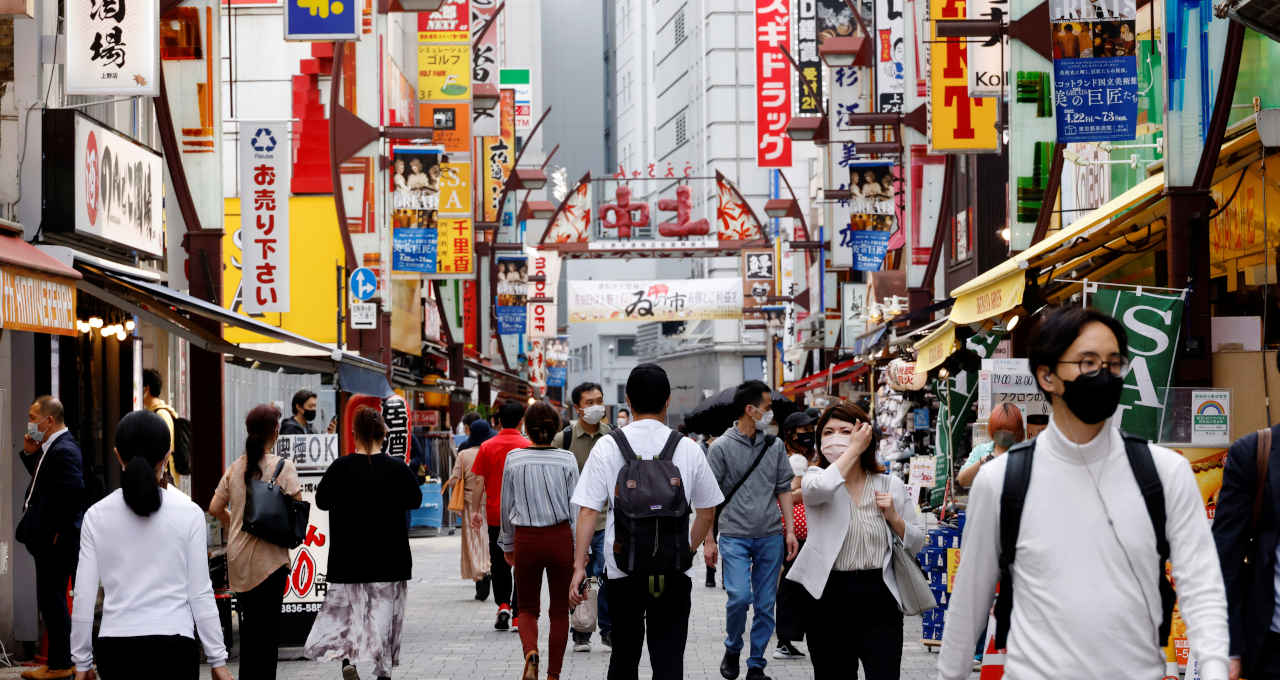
x: 415, y: 177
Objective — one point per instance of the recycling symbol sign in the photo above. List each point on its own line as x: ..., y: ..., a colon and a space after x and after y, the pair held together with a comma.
x: 263, y: 140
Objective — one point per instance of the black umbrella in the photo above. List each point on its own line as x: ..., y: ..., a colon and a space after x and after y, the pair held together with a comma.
x: 715, y: 414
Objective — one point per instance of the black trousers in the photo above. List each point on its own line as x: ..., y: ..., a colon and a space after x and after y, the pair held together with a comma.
x: 634, y: 612
x: 150, y: 656
x: 1269, y: 659
x: 504, y: 587
x: 260, y: 627
x: 794, y: 604
x: 872, y: 636
x: 55, y: 566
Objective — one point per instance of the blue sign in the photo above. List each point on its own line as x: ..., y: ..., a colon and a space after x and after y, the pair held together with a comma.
x: 511, y: 319
x: 921, y: 419
x: 557, y: 376
x: 869, y: 248
x: 1096, y: 99
x: 363, y: 284
x: 321, y: 19
x: 414, y: 250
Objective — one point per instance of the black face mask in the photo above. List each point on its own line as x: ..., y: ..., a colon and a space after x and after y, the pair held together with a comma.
x: 1093, y: 399
x: 309, y: 414
x: 804, y: 440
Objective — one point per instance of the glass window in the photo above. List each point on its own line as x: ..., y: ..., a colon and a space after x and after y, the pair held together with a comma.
x: 752, y: 368
x: 626, y: 347
x: 622, y: 394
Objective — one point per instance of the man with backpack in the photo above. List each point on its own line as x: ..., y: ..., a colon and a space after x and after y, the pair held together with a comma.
x: 752, y: 470
x: 179, y: 428
x: 1076, y: 527
x: 648, y: 479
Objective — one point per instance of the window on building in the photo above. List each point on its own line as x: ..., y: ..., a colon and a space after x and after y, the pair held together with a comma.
x: 622, y: 394
x: 626, y: 347
x: 753, y: 367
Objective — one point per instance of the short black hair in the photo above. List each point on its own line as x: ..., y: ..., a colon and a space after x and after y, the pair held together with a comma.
x: 749, y: 393
x: 300, y: 399
x: 511, y: 413
x: 648, y: 389
x: 582, y: 389
x: 1058, y: 328
x: 542, y: 423
x: 470, y: 417
x: 152, y: 381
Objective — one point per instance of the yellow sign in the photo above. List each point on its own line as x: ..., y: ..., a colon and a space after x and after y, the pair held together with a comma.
x: 37, y: 302
x: 990, y: 300
x: 957, y: 122
x: 455, y: 249
x: 953, y: 565
x: 455, y: 188
x: 315, y: 252
x: 444, y: 72
x: 935, y: 348
x: 1237, y: 230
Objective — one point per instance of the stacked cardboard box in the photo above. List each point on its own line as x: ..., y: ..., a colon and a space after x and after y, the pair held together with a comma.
x: 939, y: 559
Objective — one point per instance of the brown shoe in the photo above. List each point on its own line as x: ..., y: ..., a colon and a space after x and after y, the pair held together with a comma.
x: 46, y: 673
x: 530, y: 666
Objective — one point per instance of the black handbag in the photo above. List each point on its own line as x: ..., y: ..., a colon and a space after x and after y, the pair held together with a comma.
x: 272, y: 516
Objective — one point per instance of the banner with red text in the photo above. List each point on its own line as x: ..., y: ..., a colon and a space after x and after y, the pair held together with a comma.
x: 265, y: 166
x: 773, y: 83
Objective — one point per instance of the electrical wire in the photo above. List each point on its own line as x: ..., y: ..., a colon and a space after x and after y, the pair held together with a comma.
x: 1237, y: 190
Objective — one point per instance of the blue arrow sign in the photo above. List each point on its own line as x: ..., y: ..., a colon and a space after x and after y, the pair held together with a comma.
x: 363, y: 284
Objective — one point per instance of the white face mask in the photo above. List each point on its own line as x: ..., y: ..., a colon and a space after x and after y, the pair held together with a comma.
x: 593, y: 414
x: 33, y: 431
x: 834, y: 446
x: 623, y: 420
x: 764, y: 420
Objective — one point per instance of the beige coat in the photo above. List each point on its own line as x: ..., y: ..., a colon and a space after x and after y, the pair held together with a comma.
x: 475, y: 543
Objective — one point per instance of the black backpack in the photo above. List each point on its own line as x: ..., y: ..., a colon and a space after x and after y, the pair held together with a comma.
x: 651, y: 513
x: 1017, y: 477
x: 181, y: 441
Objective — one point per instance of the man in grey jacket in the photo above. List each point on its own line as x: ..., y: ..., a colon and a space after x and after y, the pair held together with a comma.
x: 752, y: 470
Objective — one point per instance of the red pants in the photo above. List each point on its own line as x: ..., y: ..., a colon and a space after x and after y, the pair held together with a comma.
x: 549, y: 549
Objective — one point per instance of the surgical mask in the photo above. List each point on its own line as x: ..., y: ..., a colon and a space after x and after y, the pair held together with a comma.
x: 622, y: 421
x: 834, y: 446
x: 593, y: 414
x: 804, y: 440
x: 33, y: 431
x: 309, y: 414
x: 1003, y: 439
x: 763, y: 421
x: 1093, y: 399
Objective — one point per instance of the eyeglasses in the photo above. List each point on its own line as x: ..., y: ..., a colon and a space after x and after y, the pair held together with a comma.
x: 1091, y: 365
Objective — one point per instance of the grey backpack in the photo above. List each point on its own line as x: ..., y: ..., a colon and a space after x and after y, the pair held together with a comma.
x: 651, y: 513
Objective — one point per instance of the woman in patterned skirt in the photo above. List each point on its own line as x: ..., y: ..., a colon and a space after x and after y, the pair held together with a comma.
x: 366, y: 495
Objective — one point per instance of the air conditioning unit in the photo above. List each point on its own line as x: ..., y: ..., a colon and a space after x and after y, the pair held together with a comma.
x: 1262, y: 16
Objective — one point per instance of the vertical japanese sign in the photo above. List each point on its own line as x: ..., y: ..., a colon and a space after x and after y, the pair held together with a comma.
x: 265, y: 166
x: 543, y: 315
x: 773, y: 83
x: 520, y: 81
x: 320, y: 19
x: 499, y: 157
x: 1032, y: 133
x: 1095, y: 70
x: 958, y: 123
x: 1153, y: 322
x: 809, y: 79
x: 113, y: 47
x: 450, y: 23
x: 395, y: 412
x: 890, y: 55
x: 759, y: 282
x: 484, y: 63
x: 1195, y: 41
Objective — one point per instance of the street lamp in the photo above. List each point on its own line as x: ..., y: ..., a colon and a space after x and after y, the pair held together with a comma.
x: 420, y: 5
x: 536, y: 210
x: 527, y: 179
x: 809, y: 129
x: 782, y: 207
x: 841, y: 50
x: 485, y: 96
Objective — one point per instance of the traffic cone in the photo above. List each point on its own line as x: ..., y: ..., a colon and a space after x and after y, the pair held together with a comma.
x: 992, y: 658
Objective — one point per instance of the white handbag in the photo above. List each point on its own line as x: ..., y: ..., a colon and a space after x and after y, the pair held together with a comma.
x: 913, y: 588
x: 583, y: 616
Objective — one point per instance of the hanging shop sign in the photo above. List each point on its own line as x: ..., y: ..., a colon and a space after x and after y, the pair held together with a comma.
x: 458, y: 298
x: 1195, y: 42
x: 520, y: 82
x: 321, y: 19
x: 671, y: 300
x: 395, y: 413
x: 499, y: 157
x: 36, y: 302
x: 484, y: 63
x: 958, y: 123
x: 890, y: 55
x: 773, y: 83
x: 450, y: 125
x: 265, y: 165
x: 1009, y: 381
x: 439, y: 248
x: 399, y: 97
x: 542, y: 316
x: 444, y: 72
x: 927, y: 175
x: 113, y: 47
x: 809, y: 80
x: 986, y: 64
x: 450, y: 23
x: 854, y: 303
x: 759, y: 282
x: 308, y: 584
x: 869, y: 249
x: 1032, y: 133
x: 903, y: 377
x: 557, y: 354
x: 1095, y: 70
x: 1153, y: 322
x: 512, y: 293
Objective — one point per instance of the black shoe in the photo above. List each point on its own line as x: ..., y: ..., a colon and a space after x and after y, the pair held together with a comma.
x: 711, y: 577
x: 729, y: 667
x: 606, y: 639
x: 786, y: 650
x: 504, y: 620
x: 757, y: 674
x: 482, y: 589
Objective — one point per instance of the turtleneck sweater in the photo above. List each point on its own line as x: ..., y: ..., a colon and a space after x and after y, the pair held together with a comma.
x: 1086, y: 598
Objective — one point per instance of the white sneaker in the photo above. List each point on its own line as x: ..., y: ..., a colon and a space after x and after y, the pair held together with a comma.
x: 584, y: 646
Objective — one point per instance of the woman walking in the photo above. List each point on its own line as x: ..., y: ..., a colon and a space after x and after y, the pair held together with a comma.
x: 793, y: 601
x: 258, y: 569
x: 145, y: 543
x: 475, y: 542
x: 855, y: 514
x: 537, y: 534
x: 366, y: 495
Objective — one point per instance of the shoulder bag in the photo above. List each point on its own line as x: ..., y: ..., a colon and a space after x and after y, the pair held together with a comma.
x: 913, y: 588
x: 272, y: 516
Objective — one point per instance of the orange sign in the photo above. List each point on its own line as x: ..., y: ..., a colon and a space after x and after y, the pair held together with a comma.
x: 31, y: 301
x: 957, y: 122
x: 450, y: 125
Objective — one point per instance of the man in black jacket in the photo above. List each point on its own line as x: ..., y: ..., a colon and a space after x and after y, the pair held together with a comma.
x: 50, y: 527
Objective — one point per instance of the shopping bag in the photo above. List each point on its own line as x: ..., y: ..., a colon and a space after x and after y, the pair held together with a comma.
x: 583, y: 616
x: 457, y: 497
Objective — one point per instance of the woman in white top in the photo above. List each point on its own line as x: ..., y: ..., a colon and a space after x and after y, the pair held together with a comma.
x: 146, y: 545
x: 855, y: 513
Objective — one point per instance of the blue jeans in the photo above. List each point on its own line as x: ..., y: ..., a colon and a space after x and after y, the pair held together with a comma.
x: 751, y: 569
x: 596, y: 567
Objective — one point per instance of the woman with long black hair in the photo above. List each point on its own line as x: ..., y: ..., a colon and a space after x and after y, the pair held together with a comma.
x: 145, y: 544
x: 258, y: 569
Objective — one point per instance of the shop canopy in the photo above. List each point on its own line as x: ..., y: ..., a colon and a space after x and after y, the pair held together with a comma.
x: 185, y: 316
x: 833, y: 375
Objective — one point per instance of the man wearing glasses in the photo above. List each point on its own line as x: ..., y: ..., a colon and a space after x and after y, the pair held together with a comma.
x: 1080, y: 561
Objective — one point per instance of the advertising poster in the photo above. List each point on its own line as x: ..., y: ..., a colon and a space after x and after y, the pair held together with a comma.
x: 958, y: 123
x: 450, y: 23
x: 759, y: 281
x: 557, y: 359
x: 873, y: 188
x: 512, y: 294
x: 113, y: 48
x: 890, y: 55
x: 416, y: 172
x: 773, y: 83
x: 309, y: 563
x: 1095, y: 70
x: 869, y: 249
x: 809, y: 80
x: 670, y: 300
x: 265, y: 166
x: 444, y: 72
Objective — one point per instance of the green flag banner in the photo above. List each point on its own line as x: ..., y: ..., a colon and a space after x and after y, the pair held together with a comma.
x: 956, y: 397
x: 1153, y: 321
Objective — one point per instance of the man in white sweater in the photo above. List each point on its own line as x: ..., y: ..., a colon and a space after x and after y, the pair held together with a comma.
x: 1086, y: 587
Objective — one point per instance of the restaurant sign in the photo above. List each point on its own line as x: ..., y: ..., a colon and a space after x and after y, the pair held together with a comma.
x: 31, y: 301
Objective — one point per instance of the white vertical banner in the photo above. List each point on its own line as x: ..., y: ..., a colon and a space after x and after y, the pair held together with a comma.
x: 265, y: 167
x: 113, y: 47
x: 542, y: 318
x: 987, y: 63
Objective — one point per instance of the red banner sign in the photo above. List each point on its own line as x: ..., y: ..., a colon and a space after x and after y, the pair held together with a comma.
x: 773, y: 83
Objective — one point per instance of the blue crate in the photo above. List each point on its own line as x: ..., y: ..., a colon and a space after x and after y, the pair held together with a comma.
x: 429, y: 512
x: 927, y: 632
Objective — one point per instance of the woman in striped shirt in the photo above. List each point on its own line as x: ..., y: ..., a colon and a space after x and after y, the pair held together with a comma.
x: 537, y: 533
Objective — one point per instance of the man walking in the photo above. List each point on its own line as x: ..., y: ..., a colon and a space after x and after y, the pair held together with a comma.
x: 650, y: 581
x: 491, y: 460
x: 752, y: 470
x: 304, y: 414
x: 50, y: 525
x: 1077, y: 525
x: 580, y: 437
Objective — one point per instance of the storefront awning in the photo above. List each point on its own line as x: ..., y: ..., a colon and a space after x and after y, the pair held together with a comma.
x: 935, y: 347
x: 833, y: 375
x: 868, y: 341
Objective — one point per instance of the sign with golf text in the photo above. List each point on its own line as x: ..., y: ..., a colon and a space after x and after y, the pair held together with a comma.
x: 1211, y: 417
x: 1153, y: 321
